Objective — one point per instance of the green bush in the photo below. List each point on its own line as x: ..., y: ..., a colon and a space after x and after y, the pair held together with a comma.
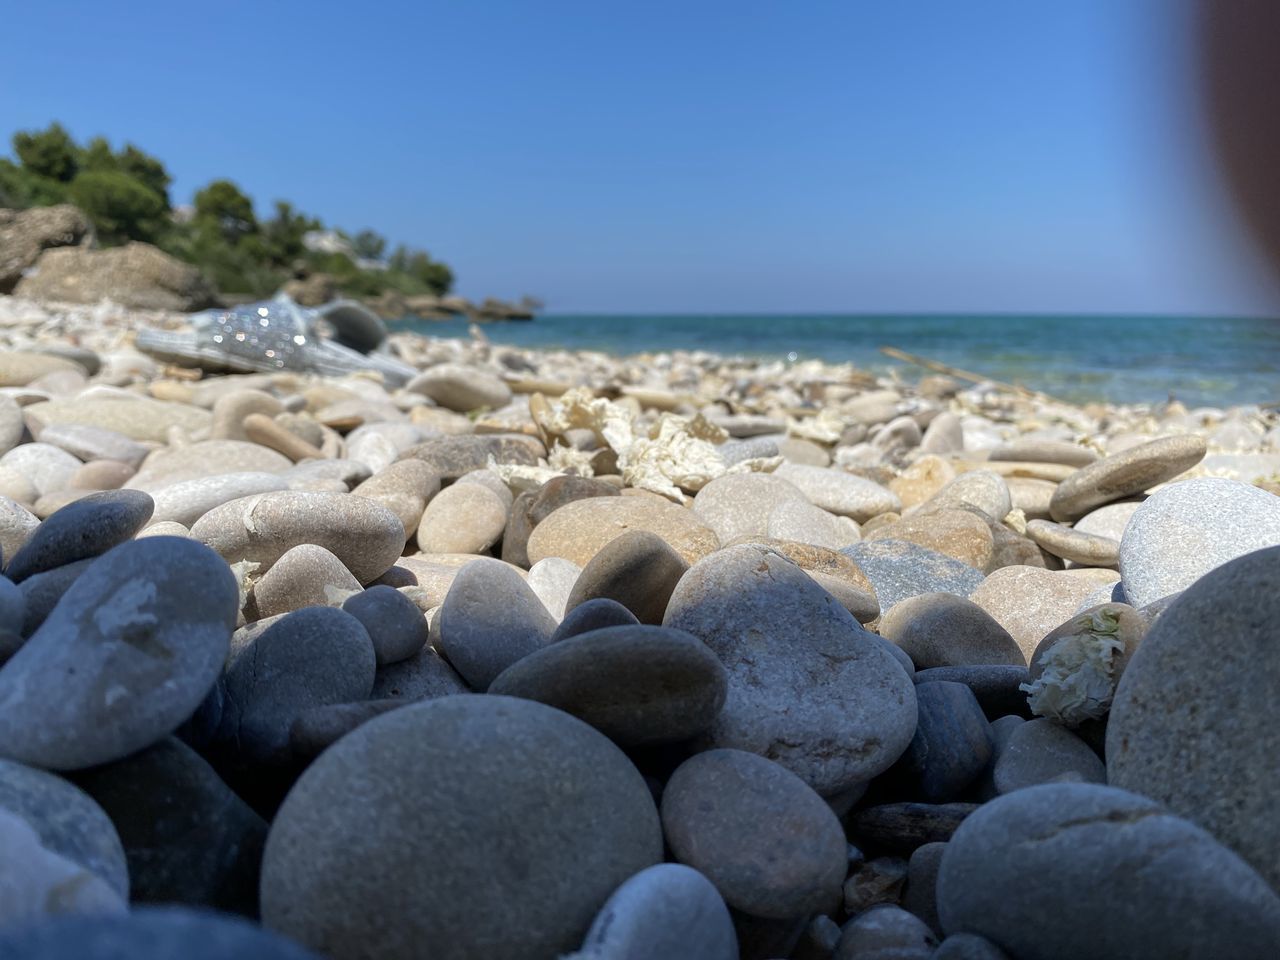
x: 120, y: 207
x: 48, y: 153
x: 20, y: 188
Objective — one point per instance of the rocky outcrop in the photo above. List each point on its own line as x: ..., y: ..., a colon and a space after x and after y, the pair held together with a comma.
x: 312, y: 290
x: 25, y: 234
x: 136, y: 275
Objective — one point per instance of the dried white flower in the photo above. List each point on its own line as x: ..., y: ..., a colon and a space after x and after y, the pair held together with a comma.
x: 1078, y: 679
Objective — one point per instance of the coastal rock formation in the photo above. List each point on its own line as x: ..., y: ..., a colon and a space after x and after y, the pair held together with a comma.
x: 25, y: 234
x: 135, y: 275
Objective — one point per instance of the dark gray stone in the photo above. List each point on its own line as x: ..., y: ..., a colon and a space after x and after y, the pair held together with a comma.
x: 943, y: 630
x: 635, y: 684
x: 188, y: 838
x: 902, y: 827
x: 637, y: 569
x: 968, y: 946
x: 1041, y: 751
x: 505, y: 823
x: 1063, y: 871
x: 67, y: 821
x: 772, y: 847
x: 148, y: 934
x: 308, y: 658
x: 952, y: 743
x: 995, y: 686
x: 593, y: 615
x: 124, y: 658
x: 394, y: 623
x: 667, y: 911
x: 87, y: 528
x: 318, y: 728
x: 920, y: 895
x: 808, y: 687
x: 423, y: 676
x: 886, y: 933
x: 490, y: 619
x: 898, y: 570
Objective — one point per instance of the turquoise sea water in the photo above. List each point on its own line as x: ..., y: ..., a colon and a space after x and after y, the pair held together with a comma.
x: 1202, y: 361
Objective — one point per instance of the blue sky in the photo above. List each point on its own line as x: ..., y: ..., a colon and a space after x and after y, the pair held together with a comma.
x: 1020, y: 155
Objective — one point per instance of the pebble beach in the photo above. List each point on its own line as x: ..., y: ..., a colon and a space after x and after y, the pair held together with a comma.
x: 677, y: 656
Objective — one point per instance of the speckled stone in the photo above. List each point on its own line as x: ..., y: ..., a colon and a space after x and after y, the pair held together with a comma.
x: 740, y: 504
x: 364, y: 535
x: 1087, y: 549
x: 943, y: 630
x: 808, y: 687
x: 491, y: 619
x: 899, y: 570
x: 463, y: 801
x: 579, y: 530
x: 769, y: 844
x: 87, y: 528
x: 1029, y: 602
x: 1195, y: 722
x: 1123, y: 474
x: 67, y: 820
x: 128, y: 654
x: 462, y: 518
x: 635, y: 684
x: 838, y: 492
x: 1063, y: 871
x: 1182, y: 532
x: 305, y: 576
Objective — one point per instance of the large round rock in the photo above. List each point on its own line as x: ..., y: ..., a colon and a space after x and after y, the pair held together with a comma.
x: 636, y: 684
x: 363, y: 534
x: 1196, y: 721
x: 1182, y: 532
x: 1070, y: 870
x: 125, y: 657
x: 772, y: 847
x: 808, y: 687
x: 462, y: 827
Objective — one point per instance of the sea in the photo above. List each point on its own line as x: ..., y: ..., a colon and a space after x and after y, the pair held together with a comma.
x: 1202, y: 361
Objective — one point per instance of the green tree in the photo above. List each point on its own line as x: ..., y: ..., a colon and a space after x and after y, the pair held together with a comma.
x: 120, y: 207
x: 20, y: 188
x: 47, y: 153
x: 435, y: 276
x: 147, y: 170
x: 98, y: 156
x: 282, y: 234
x: 369, y: 245
x: 222, y: 203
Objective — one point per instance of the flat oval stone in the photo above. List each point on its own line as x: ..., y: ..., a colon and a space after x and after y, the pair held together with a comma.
x: 305, y: 576
x: 128, y: 653
x: 943, y: 630
x: 982, y: 489
x: 463, y: 800
x: 102, y: 475
x: 403, y: 488
x: 1031, y: 450
x: 740, y: 504
x: 94, y: 443
x: 838, y: 492
x: 1086, y: 549
x: 187, y: 501
x: 886, y: 932
x: 898, y: 569
x: 188, y: 837
x: 308, y: 658
x: 81, y: 530
x: 593, y: 615
x: 451, y: 457
x: 49, y: 468
x: 364, y: 535
x: 808, y: 687
x: 463, y: 518
x: 148, y: 933
x: 1063, y: 871
x: 1182, y: 532
x: 198, y: 461
x: 669, y: 911
x: 637, y: 569
x: 461, y: 388
x: 139, y: 418
x: 394, y: 624
x: 1123, y: 474
x: 635, y: 684
x: 67, y: 820
x: 579, y: 530
x: 769, y: 844
x: 1041, y: 751
x: 490, y: 619
x: 1195, y: 720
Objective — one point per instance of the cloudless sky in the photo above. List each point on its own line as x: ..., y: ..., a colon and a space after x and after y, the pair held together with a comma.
x: 718, y: 155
